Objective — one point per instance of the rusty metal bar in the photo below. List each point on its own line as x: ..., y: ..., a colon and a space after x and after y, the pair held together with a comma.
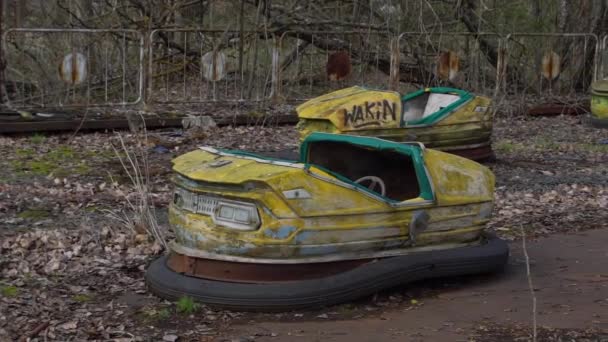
x: 151, y: 122
x: 256, y: 273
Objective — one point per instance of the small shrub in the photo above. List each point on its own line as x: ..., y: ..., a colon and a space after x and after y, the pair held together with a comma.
x: 163, y: 313
x: 187, y: 305
x: 37, y: 138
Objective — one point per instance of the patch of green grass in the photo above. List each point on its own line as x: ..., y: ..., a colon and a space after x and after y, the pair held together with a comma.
x: 92, y: 209
x: 37, y: 138
x: 82, y: 298
x: 508, y: 146
x: 24, y: 152
x: 186, y: 305
x: 347, y: 309
x: 40, y: 167
x: 593, y: 147
x: 62, y: 153
x: 34, y: 214
x: 9, y: 291
x: 154, y: 314
x: 82, y: 168
x: 61, y: 162
x: 545, y: 143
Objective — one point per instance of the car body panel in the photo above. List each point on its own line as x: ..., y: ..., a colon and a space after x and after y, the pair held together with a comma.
x: 466, y: 123
x: 336, y: 218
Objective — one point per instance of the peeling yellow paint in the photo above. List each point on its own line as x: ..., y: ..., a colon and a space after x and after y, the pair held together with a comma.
x: 336, y: 218
x: 469, y: 124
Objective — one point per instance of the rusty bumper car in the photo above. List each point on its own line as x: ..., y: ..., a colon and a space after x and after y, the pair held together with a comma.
x: 447, y: 119
x: 355, y: 215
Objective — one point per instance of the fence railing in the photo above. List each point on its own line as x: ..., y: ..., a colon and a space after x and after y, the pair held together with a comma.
x: 73, y: 67
x: 312, y: 63
x: 553, y: 64
x: 81, y: 67
x: 194, y: 66
x: 457, y: 59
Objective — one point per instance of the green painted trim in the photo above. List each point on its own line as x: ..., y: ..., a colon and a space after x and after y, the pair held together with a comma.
x: 413, y: 151
x: 433, y: 118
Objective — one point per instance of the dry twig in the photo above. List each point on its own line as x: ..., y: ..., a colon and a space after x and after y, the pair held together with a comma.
x: 530, y: 285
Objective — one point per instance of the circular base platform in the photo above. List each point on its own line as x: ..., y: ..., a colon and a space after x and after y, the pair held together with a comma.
x: 483, y: 153
x: 367, y: 278
x: 597, y: 122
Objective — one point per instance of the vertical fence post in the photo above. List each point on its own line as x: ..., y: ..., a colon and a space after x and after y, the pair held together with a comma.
x: 501, y: 65
x: 597, y: 57
x: 275, y: 87
x: 394, y: 68
x: 3, y: 95
x: 599, y: 60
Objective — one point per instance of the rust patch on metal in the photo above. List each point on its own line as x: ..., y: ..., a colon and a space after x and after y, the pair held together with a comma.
x: 256, y: 273
x: 448, y: 65
x: 339, y: 66
x: 550, y: 109
x: 73, y: 68
x: 214, y: 66
x: 551, y: 65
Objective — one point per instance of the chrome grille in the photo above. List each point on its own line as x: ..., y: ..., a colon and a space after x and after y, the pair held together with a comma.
x: 194, y: 202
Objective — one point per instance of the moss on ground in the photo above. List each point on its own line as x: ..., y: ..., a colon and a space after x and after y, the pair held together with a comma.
x: 9, y: 291
x: 61, y: 162
x: 82, y: 298
x: 34, y: 214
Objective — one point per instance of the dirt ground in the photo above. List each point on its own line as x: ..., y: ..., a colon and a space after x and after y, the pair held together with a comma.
x: 571, y: 288
x: 71, y: 269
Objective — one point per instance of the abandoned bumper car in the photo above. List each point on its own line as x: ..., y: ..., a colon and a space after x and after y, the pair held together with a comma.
x: 355, y: 215
x: 447, y: 119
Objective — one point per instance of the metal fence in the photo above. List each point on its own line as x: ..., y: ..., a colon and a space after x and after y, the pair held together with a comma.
x: 551, y: 65
x: 603, y: 55
x: 453, y: 59
x: 312, y: 63
x: 80, y: 67
x: 73, y: 67
x: 194, y: 66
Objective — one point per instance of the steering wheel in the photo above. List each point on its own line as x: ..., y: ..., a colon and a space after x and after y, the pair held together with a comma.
x: 374, y: 181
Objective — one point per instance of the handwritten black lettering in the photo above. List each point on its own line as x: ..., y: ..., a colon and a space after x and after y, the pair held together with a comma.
x: 389, y: 107
x: 370, y: 114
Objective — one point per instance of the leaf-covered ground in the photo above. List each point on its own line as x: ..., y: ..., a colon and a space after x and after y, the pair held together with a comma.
x: 70, y: 271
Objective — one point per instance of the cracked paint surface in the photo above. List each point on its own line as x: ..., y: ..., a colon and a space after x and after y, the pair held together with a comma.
x: 337, y: 218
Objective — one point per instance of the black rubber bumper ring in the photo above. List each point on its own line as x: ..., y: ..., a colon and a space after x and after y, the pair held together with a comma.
x: 362, y: 281
x: 597, y: 122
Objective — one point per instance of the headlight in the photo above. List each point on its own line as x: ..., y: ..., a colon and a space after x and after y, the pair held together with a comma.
x: 232, y: 214
x: 237, y: 215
